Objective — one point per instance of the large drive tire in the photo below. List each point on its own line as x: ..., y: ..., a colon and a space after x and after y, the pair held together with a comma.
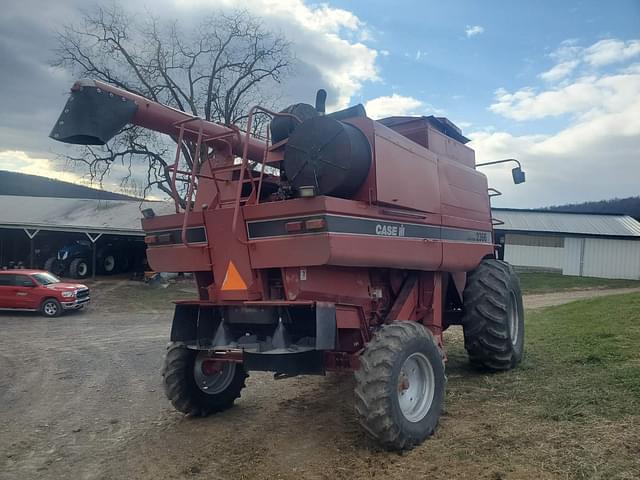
x: 79, y: 268
x: 48, y: 265
x: 194, y: 393
x: 108, y: 264
x: 54, y: 266
x: 51, y: 308
x: 400, y: 385
x: 493, y: 320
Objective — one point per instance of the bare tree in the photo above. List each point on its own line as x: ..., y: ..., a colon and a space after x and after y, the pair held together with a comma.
x: 215, y: 69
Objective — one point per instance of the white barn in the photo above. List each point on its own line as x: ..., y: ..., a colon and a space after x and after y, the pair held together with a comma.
x: 590, y: 245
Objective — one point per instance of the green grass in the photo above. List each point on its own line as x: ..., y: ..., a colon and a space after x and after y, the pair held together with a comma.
x: 541, y: 282
x: 572, y: 409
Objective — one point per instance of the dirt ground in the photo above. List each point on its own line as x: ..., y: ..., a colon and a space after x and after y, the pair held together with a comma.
x: 80, y: 398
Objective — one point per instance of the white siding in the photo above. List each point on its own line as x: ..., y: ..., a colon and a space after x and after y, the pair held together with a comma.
x: 528, y: 256
x: 610, y: 258
x: 572, y: 254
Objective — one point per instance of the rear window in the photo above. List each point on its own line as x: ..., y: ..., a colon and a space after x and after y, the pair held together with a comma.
x: 6, y: 279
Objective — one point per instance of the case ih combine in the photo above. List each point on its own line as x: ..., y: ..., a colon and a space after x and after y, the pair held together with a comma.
x: 342, y: 244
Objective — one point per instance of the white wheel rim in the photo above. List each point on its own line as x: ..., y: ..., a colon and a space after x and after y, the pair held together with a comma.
x: 109, y: 263
x: 50, y: 308
x: 416, y: 387
x: 216, y: 383
x: 514, y: 318
x: 82, y: 269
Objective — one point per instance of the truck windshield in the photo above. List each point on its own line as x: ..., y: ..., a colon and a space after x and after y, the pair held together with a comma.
x: 45, y: 278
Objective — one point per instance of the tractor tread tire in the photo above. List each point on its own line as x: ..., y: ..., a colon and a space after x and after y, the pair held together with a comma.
x: 73, y: 268
x: 486, y: 319
x: 48, y: 265
x: 181, y: 389
x: 374, y: 391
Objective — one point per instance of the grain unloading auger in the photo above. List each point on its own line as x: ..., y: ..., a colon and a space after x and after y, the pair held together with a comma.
x: 344, y: 244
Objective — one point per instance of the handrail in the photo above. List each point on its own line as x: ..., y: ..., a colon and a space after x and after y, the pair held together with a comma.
x: 236, y: 211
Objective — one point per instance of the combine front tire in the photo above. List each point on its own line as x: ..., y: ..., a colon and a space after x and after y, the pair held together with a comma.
x: 400, y: 385
x: 195, y: 386
x: 493, y: 321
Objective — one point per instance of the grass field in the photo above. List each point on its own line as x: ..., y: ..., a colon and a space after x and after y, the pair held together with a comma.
x: 572, y: 410
x: 541, y: 282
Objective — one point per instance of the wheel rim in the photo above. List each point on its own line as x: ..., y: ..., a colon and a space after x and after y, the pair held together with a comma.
x: 82, y: 269
x: 416, y: 387
x: 514, y: 318
x: 109, y: 263
x: 50, y: 308
x: 212, y: 384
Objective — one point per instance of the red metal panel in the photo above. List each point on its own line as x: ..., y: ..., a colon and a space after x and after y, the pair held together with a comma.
x: 406, y: 173
x: 178, y: 258
x: 463, y: 257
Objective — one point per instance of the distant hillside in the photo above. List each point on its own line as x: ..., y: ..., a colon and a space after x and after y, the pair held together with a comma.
x: 627, y: 206
x: 13, y: 183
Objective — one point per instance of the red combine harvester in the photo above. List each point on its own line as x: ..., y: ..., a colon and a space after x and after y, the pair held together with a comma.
x: 342, y: 244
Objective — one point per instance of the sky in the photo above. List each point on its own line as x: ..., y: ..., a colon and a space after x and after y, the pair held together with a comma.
x: 553, y: 84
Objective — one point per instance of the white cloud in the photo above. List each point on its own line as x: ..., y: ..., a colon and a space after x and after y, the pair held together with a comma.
x: 594, y: 156
x: 22, y: 162
x: 393, y: 105
x: 420, y: 54
x: 586, y: 96
x: 559, y: 71
x: 611, y: 50
x: 473, y: 30
x: 570, y: 57
x: 323, y: 41
x: 384, y: 53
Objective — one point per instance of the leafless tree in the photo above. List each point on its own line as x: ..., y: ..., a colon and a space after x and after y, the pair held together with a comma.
x: 215, y: 69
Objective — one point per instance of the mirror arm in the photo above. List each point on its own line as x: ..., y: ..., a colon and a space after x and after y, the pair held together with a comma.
x: 495, y: 162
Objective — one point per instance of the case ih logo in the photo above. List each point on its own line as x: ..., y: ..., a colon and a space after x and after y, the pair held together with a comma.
x: 390, y: 230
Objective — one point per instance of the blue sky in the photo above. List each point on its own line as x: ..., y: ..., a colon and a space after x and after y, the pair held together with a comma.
x: 555, y: 84
x: 459, y: 73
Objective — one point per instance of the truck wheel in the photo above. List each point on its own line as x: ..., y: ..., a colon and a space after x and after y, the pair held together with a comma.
x: 400, y: 385
x: 79, y: 268
x: 493, y: 320
x: 195, y: 387
x: 51, y: 308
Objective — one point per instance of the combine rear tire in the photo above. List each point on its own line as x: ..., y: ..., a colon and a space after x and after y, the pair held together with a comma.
x: 400, y: 385
x: 493, y: 321
x: 195, y: 391
x: 79, y: 268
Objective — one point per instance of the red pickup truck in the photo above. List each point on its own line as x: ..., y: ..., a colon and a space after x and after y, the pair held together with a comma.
x: 39, y: 290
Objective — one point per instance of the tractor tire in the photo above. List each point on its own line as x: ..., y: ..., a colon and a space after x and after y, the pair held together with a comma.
x: 48, y: 265
x: 194, y: 393
x: 493, y: 320
x: 400, y: 385
x: 79, y: 268
x: 54, y: 266
x: 51, y: 308
x: 108, y: 264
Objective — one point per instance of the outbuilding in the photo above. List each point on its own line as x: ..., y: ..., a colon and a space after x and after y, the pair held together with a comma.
x: 584, y: 244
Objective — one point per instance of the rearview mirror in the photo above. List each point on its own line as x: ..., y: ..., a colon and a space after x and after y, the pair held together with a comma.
x: 518, y: 175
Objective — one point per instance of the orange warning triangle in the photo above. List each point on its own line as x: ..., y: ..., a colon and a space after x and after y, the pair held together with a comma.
x: 232, y: 279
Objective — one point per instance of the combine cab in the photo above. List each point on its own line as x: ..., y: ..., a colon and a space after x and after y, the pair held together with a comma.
x: 344, y: 244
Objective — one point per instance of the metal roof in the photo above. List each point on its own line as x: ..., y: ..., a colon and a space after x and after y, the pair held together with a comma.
x: 590, y: 224
x: 123, y: 217
x: 78, y: 215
